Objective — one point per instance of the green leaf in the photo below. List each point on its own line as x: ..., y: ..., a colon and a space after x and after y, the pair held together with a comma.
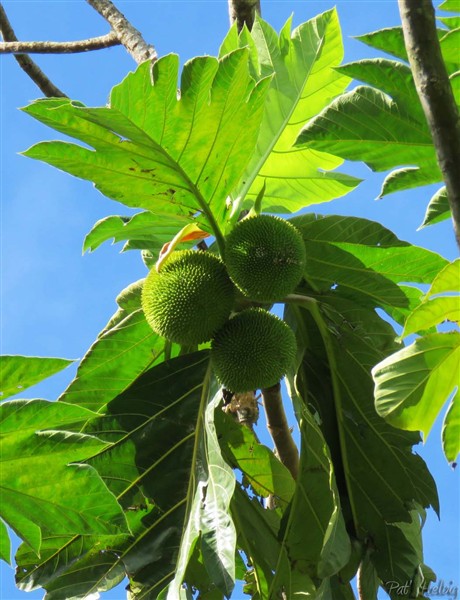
x: 451, y: 429
x: 366, y: 124
x: 314, y: 533
x: 392, y: 77
x: 448, y: 280
x: 64, y: 499
x: 437, y: 210
x: 68, y: 563
x: 117, y: 357
x: 208, y: 515
x: 156, y: 151
x: 433, y: 312
x: 450, y: 43
x: 380, y: 478
x: 5, y: 543
x: 163, y: 456
x: 152, y: 230
x: 304, y: 82
x: 17, y: 373
x: 450, y: 5
x: 450, y: 22
x: 361, y: 260
x: 412, y: 385
x: 257, y: 537
x: 262, y: 470
x: 389, y: 40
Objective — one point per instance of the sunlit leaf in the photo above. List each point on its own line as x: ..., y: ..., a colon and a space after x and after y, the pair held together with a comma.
x: 412, y: 385
x: 152, y: 230
x: 433, y: 312
x: 208, y: 514
x: 5, y: 543
x: 17, y: 373
x: 450, y: 5
x: 451, y: 429
x: 447, y: 280
x: 64, y: 498
x: 154, y: 150
x: 437, y: 210
x: 369, y: 126
x: 114, y: 361
x: 361, y: 260
x: 451, y: 22
x: 380, y: 476
x: 304, y: 82
x: 158, y: 427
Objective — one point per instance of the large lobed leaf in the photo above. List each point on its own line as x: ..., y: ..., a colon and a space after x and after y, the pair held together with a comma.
x: 164, y: 467
x: 384, y: 125
x: 363, y: 261
x: 356, y: 266
x: 40, y: 489
x: 412, y: 385
x: 304, y: 81
x: 155, y: 150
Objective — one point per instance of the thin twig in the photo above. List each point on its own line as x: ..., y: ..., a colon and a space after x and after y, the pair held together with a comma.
x: 96, y: 43
x: 435, y: 93
x: 128, y: 35
x: 279, y: 429
x: 243, y: 12
x: 26, y: 63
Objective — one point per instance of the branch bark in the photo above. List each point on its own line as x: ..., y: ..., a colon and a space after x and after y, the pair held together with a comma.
x: 96, y: 43
x: 279, y: 429
x: 128, y: 35
x: 243, y: 12
x: 435, y: 93
x: 26, y: 63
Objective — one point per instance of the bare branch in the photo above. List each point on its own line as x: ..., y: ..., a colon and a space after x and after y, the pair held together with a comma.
x: 128, y: 35
x: 435, y: 93
x: 279, y: 429
x: 96, y: 43
x: 243, y: 12
x: 26, y: 63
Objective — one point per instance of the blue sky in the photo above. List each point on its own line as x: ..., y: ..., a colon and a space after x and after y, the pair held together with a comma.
x: 54, y: 300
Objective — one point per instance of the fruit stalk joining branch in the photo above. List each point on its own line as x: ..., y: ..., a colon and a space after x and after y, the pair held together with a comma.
x: 435, y: 93
x: 279, y: 429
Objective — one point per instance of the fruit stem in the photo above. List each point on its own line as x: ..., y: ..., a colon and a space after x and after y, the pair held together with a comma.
x: 279, y: 430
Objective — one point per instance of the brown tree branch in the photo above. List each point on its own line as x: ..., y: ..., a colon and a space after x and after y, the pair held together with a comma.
x: 279, y: 429
x: 26, y: 63
x: 96, y: 43
x: 435, y: 93
x: 128, y: 35
x: 243, y: 12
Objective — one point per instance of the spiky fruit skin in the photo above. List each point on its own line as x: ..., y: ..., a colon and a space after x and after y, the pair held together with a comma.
x: 253, y: 350
x: 189, y: 299
x: 265, y: 257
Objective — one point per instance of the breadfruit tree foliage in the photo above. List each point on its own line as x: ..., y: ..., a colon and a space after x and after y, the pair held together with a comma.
x: 142, y: 475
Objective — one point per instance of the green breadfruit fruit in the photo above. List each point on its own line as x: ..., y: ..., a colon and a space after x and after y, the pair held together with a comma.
x: 265, y: 257
x: 189, y: 299
x: 253, y: 350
